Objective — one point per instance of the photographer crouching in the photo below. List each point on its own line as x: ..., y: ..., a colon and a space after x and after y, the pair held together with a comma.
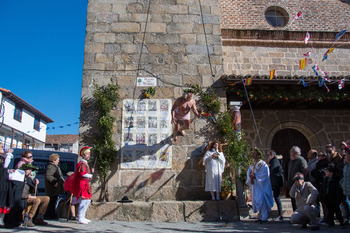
x: 305, y: 195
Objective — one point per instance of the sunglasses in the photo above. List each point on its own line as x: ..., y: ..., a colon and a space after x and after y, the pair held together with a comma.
x: 29, y: 157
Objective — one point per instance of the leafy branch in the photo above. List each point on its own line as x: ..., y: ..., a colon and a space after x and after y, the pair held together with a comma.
x: 104, y: 150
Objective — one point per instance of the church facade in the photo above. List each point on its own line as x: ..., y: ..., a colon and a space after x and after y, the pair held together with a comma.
x: 218, y: 44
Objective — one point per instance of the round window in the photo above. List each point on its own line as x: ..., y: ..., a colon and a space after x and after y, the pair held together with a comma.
x: 276, y: 16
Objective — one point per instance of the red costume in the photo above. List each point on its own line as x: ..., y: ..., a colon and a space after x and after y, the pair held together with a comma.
x: 77, y: 184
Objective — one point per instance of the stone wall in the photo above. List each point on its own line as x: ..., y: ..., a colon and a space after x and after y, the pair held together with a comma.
x: 259, y: 60
x: 129, y: 38
x: 318, y: 126
x: 318, y: 15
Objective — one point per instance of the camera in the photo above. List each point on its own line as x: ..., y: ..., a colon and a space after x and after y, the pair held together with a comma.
x: 298, y: 178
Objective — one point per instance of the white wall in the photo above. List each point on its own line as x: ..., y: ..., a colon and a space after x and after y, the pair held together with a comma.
x: 26, y: 125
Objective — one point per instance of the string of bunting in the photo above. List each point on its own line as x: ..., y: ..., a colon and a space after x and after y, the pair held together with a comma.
x: 304, y: 61
x: 47, y: 128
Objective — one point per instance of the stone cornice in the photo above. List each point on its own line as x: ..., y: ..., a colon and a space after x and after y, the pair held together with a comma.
x: 281, y: 38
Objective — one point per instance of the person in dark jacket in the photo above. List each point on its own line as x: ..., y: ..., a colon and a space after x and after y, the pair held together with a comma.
x: 296, y: 164
x: 319, y: 173
x: 277, y: 180
x: 53, y: 185
x: 332, y: 195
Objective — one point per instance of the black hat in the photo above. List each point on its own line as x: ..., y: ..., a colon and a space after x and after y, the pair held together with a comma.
x: 331, y: 168
x: 28, y: 166
x: 125, y: 199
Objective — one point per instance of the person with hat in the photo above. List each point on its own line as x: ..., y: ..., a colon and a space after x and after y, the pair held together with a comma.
x: 34, y: 201
x: 82, y: 190
x: 334, y: 157
x: 305, y: 195
x: 180, y: 112
x: 332, y: 195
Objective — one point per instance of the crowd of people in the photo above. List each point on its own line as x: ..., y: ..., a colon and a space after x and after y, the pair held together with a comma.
x: 19, y: 202
x: 319, y: 187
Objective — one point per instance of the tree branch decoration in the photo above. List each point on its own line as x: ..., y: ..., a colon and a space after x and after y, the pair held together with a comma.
x: 147, y: 93
x: 104, y: 146
x: 304, y: 94
x: 208, y: 98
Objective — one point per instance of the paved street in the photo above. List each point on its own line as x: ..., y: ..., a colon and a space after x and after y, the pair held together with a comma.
x: 138, y: 227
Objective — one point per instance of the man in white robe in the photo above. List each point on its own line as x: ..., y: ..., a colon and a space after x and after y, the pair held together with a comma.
x: 214, y: 162
x: 258, y: 180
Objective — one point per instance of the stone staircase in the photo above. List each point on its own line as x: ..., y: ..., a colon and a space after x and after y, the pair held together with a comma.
x: 287, y: 210
x: 165, y: 211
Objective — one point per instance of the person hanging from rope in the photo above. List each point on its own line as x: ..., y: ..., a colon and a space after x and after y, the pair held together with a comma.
x: 180, y: 112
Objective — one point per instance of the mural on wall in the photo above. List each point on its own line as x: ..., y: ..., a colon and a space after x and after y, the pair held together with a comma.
x: 146, y: 134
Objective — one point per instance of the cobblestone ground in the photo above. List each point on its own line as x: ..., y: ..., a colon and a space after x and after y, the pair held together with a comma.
x: 244, y: 225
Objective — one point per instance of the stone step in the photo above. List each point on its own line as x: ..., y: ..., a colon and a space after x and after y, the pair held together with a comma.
x: 287, y: 209
x: 165, y: 211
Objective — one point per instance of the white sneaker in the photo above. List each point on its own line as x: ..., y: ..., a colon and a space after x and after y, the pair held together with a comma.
x: 82, y: 221
x: 87, y: 220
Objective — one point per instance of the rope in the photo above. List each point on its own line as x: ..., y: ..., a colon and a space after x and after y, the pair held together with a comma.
x: 206, y: 41
x: 142, y: 44
x: 181, y: 66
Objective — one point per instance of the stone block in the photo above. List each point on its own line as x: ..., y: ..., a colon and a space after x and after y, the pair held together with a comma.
x: 94, y: 47
x: 194, y: 211
x: 99, y: 66
x: 99, y: 7
x: 108, y: 17
x: 155, y: 27
x: 126, y: 81
x: 167, y: 212
x: 104, y: 58
x: 178, y: 9
x: 119, y: 8
x: 179, y: 28
x: 134, y: 7
x: 131, y: 178
x: 158, y: 9
x: 123, y: 38
x: 158, y: 48
x: 173, y: 39
x: 188, y: 38
x: 161, y: 18
x: 125, y: 27
x: 98, y: 27
x: 104, y: 37
x: 168, y: 193
x: 204, y: 69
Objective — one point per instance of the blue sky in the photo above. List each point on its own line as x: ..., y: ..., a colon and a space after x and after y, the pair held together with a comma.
x: 42, y: 54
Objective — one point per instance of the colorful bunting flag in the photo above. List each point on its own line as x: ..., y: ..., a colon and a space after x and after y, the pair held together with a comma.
x: 272, y: 74
x: 326, y: 79
x: 325, y: 56
x: 302, y: 63
x: 327, y: 88
x: 308, y: 53
x: 324, y: 74
x: 307, y: 37
x: 341, y: 83
x: 304, y: 83
x: 339, y: 35
x: 320, y: 82
x: 298, y: 15
x: 248, y: 81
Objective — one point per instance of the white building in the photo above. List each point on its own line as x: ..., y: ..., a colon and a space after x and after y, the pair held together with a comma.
x: 21, y: 125
x: 62, y: 142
